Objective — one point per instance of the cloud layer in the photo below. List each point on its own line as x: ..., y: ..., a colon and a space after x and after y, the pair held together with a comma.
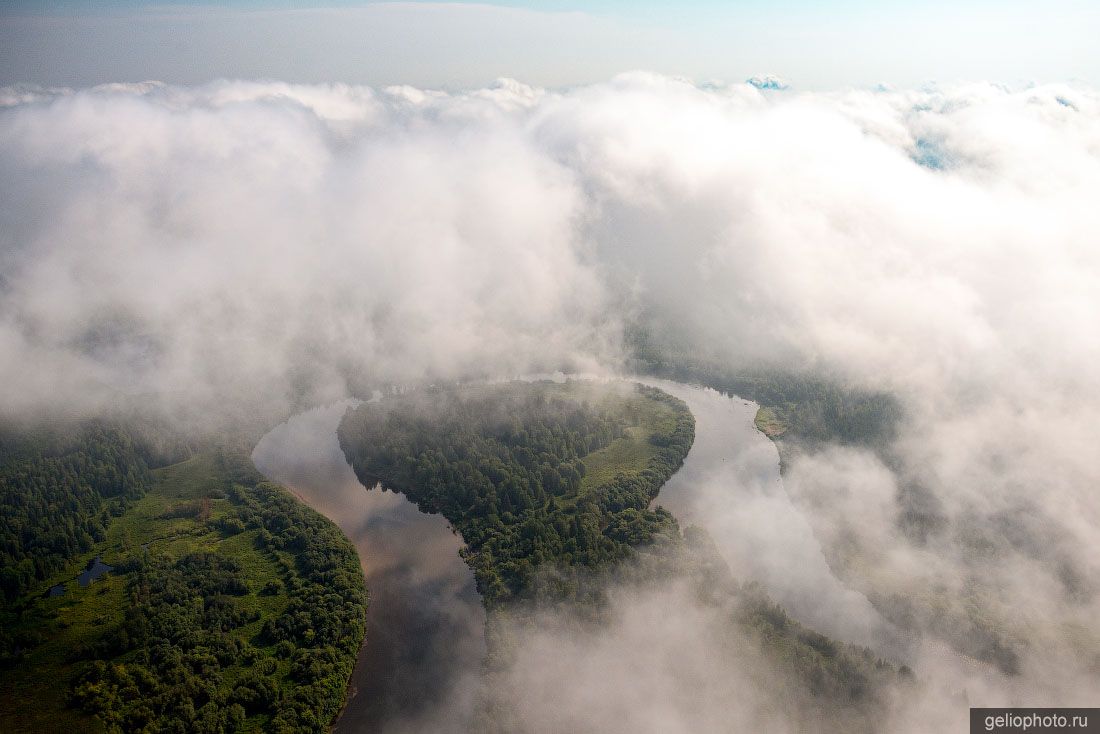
x: 262, y: 241
x: 243, y: 246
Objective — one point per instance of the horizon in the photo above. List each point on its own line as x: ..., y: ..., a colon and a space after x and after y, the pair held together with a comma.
x: 456, y: 46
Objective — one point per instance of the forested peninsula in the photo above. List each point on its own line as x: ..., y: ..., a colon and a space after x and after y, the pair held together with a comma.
x: 531, y: 475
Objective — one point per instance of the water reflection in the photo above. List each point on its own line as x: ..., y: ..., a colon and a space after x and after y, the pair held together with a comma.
x: 95, y: 569
x: 425, y: 623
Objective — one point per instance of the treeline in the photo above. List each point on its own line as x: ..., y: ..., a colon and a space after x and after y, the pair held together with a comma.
x: 59, y: 489
x: 505, y: 463
x: 182, y: 660
x: 321, y: 629
x: 810, y: 408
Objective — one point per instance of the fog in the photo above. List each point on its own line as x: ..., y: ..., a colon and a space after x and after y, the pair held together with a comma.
x: 731, y: 487
x: 247, y: 248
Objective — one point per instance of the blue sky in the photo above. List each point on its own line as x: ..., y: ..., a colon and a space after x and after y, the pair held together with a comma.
x: 823, y: 44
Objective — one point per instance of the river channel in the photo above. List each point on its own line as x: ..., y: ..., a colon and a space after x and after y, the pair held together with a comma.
x: 425, y: 625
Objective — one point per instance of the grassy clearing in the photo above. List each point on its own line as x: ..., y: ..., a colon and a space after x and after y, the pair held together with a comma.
x: 630, y: 454
x: 769, y: 423
x: 173, y: 519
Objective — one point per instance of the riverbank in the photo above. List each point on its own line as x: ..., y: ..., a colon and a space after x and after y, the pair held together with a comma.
x: 425, y: 622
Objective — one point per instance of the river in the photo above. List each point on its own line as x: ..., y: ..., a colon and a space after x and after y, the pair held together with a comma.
x: 730, y: 485
x: 425, y: 624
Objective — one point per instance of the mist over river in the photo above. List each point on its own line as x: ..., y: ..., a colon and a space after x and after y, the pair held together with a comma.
x: 425, y: 625
x: 730, y: 485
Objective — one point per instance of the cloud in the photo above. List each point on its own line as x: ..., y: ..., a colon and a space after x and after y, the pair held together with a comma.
x: 266, y: 240
x: 662, y: 663
x: 248, y: 244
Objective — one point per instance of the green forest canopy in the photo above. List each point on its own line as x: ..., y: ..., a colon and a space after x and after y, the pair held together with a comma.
x: 231, y: 607
x: 531, y: 474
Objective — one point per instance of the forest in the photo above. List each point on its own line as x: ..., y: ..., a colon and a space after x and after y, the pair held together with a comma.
x: 191, y: 667
x: 231, y: 606
x: 59, y: 489
x: 506, y: 465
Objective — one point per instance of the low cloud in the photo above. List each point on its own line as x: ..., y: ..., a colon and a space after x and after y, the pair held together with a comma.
x: 249, y: 243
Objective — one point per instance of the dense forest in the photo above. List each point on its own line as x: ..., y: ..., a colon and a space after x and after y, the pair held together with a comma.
x: 180, y: 668
x: 59, y: 490
x: 505, y: 464
x: 233, y: 607
x: 230, y: 607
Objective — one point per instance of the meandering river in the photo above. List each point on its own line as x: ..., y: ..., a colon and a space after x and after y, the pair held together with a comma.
x: 425, y: 624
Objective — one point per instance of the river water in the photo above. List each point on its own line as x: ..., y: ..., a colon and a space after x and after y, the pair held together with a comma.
x: 730, y: 485
x: 425, y: 624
